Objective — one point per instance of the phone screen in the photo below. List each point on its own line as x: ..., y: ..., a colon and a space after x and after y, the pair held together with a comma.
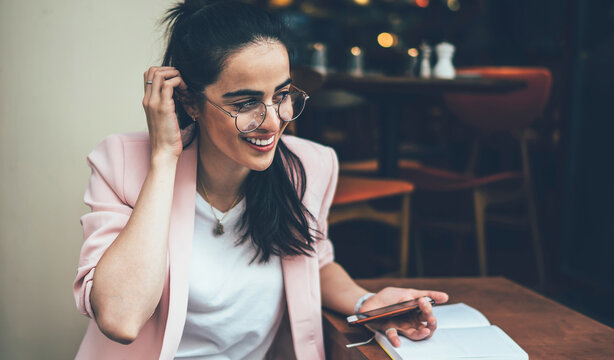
x: 405, y: 305
x: 386, y: 311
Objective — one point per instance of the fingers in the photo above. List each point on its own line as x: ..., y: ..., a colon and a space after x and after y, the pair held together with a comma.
x: 148, y: 75
x: 146, y: 86
x: 159, y: 80
x: 163, y: 81
x: 167, y: 88
x: 159, y: 106
x: 425, y: 306
x: 393, y: 337
x: 417, y: 325
x: 438, y: 296
x: 416, y: 334
x: 427, y: 316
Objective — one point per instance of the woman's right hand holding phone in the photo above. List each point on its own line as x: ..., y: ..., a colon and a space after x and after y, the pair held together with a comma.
x: 164, y: 134
x: 417, y: 325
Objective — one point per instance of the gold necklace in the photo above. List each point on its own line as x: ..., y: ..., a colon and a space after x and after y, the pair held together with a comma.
x: 219, y: 227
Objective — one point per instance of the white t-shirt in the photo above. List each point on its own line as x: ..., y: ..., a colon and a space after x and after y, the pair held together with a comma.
x: 234, y: 307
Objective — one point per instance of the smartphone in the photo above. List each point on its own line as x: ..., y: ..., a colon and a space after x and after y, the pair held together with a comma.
x: 386, y: 311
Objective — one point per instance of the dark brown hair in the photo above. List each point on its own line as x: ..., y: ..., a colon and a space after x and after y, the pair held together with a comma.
x: 201, y: 36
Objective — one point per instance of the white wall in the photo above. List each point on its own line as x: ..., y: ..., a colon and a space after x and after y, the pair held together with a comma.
x: 70, y: 73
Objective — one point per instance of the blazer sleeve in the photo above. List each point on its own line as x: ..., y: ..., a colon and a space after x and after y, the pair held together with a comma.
x: 324, y: 247
x: 109, y: 214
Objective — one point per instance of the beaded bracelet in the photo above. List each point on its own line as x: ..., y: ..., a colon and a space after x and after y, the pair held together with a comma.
x: 362, y: 301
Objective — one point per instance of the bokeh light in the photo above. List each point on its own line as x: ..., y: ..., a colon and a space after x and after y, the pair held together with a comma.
x: 422, y: 3
x: 454, y: 5
x: 387, y: 39
x: 355, y: 51
x: 280, y: 3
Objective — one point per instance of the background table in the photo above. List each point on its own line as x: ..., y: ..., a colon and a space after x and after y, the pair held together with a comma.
x: 391, y: 93
x: 542, y: 327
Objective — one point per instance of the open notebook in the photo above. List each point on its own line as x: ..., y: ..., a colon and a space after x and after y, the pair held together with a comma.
x: 462, y: 333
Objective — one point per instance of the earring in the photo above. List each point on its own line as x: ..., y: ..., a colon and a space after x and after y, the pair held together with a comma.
x: 194, y: 117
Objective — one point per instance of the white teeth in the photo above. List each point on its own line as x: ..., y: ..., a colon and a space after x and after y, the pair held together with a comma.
x: 259, y: 142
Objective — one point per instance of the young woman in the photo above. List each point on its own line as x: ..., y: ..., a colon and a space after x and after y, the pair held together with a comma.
x: 208, y: 234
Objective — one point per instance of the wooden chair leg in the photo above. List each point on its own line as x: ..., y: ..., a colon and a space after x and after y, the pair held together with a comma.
x: 532, y: 209
x: 417, y: 242
x: 404, y: 230
x: 473, y: 158
x: 479, y: 205
x: 537, y: 247
x: 459, y: 244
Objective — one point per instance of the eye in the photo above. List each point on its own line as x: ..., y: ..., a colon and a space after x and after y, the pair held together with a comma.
x: 246, y: 105
x: 279, y: 96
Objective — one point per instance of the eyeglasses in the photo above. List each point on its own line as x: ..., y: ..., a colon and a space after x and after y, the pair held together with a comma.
x: 251, y: 114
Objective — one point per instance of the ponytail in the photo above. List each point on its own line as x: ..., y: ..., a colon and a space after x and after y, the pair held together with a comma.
x: 176, y: 19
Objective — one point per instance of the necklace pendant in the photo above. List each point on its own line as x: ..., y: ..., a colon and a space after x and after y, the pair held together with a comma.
x: 219, y: 229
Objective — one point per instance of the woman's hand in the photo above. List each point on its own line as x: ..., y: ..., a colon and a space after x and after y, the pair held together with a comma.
x: 412, y: 326
x: 164, y: 133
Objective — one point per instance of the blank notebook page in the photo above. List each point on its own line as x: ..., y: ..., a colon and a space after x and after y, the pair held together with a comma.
x: 475, y: 343
x: 458, y: 315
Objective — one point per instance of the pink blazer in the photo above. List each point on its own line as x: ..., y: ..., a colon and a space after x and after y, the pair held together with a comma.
x: 119, y: 165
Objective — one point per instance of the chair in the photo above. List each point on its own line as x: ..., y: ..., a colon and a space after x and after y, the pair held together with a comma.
x: 354, y: 196
x: 512, y: 113
x: 488, y: 113
x: 353, y: 199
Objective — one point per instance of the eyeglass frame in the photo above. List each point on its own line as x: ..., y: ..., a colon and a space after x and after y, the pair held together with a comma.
x: 266, y: 107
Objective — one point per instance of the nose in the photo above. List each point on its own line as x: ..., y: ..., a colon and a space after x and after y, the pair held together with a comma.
x: 271, y: 122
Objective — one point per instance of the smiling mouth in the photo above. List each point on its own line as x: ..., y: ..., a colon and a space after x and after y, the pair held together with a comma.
x: 260, y: 142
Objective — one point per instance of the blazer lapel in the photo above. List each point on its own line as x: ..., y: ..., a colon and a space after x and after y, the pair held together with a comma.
x: 180, y: 247
x: 300, y: 302
x: 296, y: 269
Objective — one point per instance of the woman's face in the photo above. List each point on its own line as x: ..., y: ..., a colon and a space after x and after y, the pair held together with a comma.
x: 259, y: 72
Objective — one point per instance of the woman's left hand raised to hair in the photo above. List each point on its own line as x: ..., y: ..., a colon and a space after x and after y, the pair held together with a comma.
x: 412, y: 326
x: 160, y: 84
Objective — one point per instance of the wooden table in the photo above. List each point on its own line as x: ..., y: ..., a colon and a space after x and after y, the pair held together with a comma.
x: 391, y: 93
x: 544, y: 328
x: 377, y: 84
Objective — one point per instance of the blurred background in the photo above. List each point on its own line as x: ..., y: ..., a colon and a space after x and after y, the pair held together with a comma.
x: 71, y: 73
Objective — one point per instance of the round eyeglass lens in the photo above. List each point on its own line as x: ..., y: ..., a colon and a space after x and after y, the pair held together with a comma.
x: 291, y: 106
x: 252, y: 115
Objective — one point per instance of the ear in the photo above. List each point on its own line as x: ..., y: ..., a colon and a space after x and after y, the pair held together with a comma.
x: 190, y: 104
x: 192, y: 110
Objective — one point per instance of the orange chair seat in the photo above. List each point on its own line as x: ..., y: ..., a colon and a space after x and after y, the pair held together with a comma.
x: 434, y: 179
x: 352, y: 189
x: 502, y: 112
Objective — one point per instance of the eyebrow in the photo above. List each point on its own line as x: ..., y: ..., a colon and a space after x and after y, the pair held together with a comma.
x: 248, y: 92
